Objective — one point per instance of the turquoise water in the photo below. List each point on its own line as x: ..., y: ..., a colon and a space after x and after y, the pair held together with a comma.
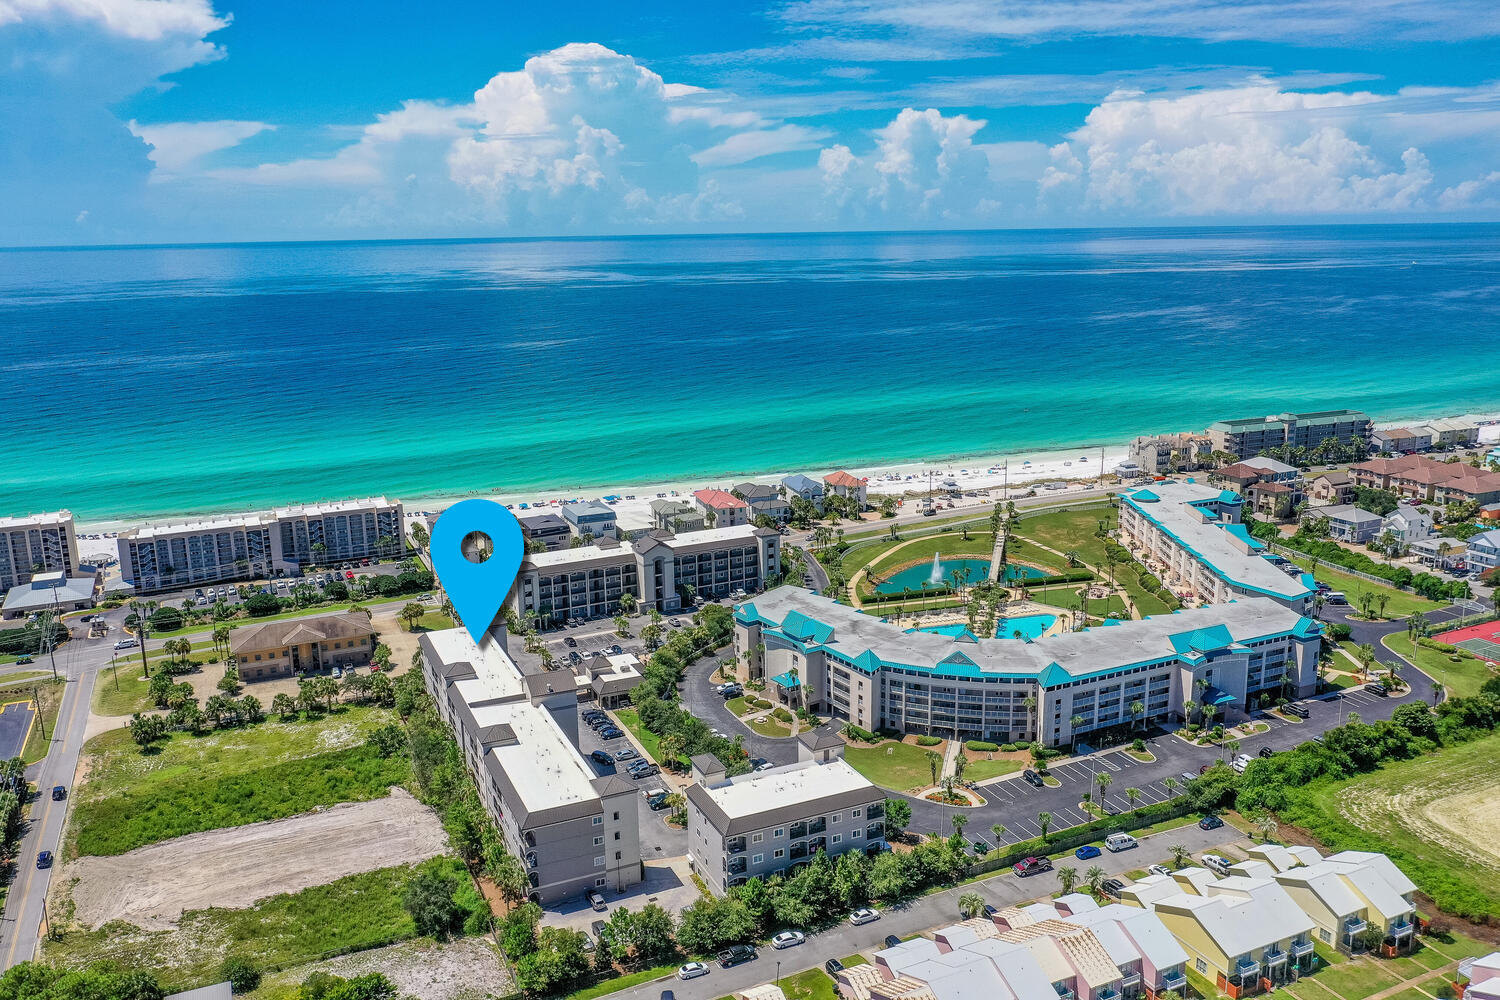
x: 914, y: 577
x: 168, y: 380
x: 1030, y: 627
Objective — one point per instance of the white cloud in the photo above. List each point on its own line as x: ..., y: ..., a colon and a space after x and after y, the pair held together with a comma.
x: 145, y: 20
x: 747, y: 146
x: 925, y: 168
x: 175, y: 146
x: 1478, y: 192
x: 1253, y: 150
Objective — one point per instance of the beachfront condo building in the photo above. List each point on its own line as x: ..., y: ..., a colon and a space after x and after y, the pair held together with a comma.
x: 279, y: 542
x: 676, y: 516
x: 765, y: 500
x: 773, y: 822
x: 548, y: 529
x: 302, y: 645
x: 721, y: 509
x: 950, y: 683
x: 1451, y: 432
x: 1249, y: 436
x: 660, y: 570
x: 1192, y: 538
x: 573, y: 830
x: 1164, y: 454
x: 36, y: 543
x: 590, y: 519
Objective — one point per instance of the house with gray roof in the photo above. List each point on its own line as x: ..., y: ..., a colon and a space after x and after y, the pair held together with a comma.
x: 590, y: 519
x: 1349, y: 523
x: 765, y: 500
x: 805, y: 487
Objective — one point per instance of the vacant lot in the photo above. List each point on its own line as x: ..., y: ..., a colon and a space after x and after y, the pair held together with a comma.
x: 234, y: 868
x: 1438, y: 817
x: 1461, y: 679
x: 465, y: 969
x: 893, y: 765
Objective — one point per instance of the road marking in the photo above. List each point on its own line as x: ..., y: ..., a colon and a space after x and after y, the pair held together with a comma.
x: 1109, y: 763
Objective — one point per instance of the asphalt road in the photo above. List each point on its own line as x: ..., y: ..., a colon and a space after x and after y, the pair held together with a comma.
x: 937, y: 910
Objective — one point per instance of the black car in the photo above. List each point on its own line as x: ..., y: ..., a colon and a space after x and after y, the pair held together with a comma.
x: 891, y: 940
x: 1112, y: 887
x: 735, y: 954
x: 1378, y: 690
x: 570, y: 642
x: 44, y: 859
x: 1267, y: 752
x: 1297, y: 710
x: 1032, y: 778
x: 1210, y: 823
x: 833, y: 966
x: 657, y: 802
x: 610, y: 733
x: 602, y: 757
x: 59, y: 792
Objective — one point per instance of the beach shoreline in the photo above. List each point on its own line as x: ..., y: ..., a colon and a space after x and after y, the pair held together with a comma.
x: 971, y: 473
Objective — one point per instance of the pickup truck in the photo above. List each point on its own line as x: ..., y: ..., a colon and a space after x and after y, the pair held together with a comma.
x: 735, y: 954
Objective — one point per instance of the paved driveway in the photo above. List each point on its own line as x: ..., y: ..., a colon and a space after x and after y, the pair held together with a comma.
x: 16, y: 720
x: 658, y: 841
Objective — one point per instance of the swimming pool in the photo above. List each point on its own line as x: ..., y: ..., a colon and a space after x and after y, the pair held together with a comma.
x: 913, y: 577
x: 1030, y: 627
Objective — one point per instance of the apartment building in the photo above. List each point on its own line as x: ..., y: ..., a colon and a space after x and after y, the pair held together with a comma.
x: 590, y: 519
x: 676, y: 516
x: 721, y: 509
x: 1401, y: 439
x: 1164, y: 454
x: 1348, y: 893
x: 842, y: 484
x: 1484, y: 549
x: 1191, y: 536
x: 1250, y: 436
x: 774, y: 822
x: 1481, y: 977
x: 658, y: 569
x: 267, y: 543
x: 1451, y: 432
x: 765, y: 500
x: 302, y: 645
x: 549, y: 529
x: 37, y: 543
x: 805, y: 487
x: 1425, y: 479
x: 878, y: 675
x: 1332, y: 487
x: 573, y: 831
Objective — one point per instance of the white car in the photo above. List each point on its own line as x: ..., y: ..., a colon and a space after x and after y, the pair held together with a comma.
x: 1217, y: 864
x: 692, y: 970
x: 1241, y: 762
x: 1159, y: 870
x: 126, y: 644
x: 788, y: 939
x: 864, y: 915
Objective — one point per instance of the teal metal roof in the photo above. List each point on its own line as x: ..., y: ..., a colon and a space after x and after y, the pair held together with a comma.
x: 800, y: 626
x: 1202, y: 640
x: 787, y: 680
x: 1144, y: 496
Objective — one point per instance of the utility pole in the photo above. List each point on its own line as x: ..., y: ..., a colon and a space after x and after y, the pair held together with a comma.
x: 114, y: 669
x: 36, y: 699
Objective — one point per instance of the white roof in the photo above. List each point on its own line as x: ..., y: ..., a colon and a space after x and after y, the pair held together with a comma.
x: 1306, y: 855
x: 1393, y: 876
x: 40, y: 594
x: 1017, y: 966
x: 1077, y: 902
x: 1324, y: 881
x: 1243, y: 914
x: 333, y: 507
x: 1147, y: 933
x: 542, y: 764
x: 47, y: 520
x: 223, y: 522
x: 1152, y: 888
x: 714, y: 536
x: 1284, y: 858
x: 1372, y: 885
x: 1269, y: 465
x: 899, y: 957
x: 959, y: 975
x: 781, y: 787
x: 1253, y: 869
x: 498, y: 676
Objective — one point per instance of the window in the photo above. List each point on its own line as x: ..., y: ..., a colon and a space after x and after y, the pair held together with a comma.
x: 599, y: 861
x: 856, y: 812
x: 617, y: 817
x: 1200, y: 965
x: 598, y: 841
x: 780, y: 832
x: 855, y: 835
x: 598, y: 820
x: 757, y: 838
x: 837, y: 837
x: 617, y: 855
x: 778, y: 853
x: 598, y: 883
x: 837, y: 817
x: 617, y: 834
x: 757, y: 859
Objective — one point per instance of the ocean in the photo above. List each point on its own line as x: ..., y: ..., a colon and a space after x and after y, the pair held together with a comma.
x: 149, y: 381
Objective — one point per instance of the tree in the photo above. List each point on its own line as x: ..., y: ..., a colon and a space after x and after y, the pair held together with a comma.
x: 960, y: 761
x: 1132, y: 794
x: 1044, y: 820
x: 622, y: 626
x: 998, y: 829
x: 1094, y: 879
x: 970, y: 905
x: 147, y: 730
x: 230, y: 682
x: 1067, y: 878
x: 284, y: 705
x: 240, y: 973
x: 1104, y: 780
x: 558, y: 962
x: 428, y: 897
x: 411, y: 613
x: 419, y: 536
x: 897, y: 816
x: 1180, y: 855
x: 97, y: 981
x: 934, y: 764
x: 959, y: 821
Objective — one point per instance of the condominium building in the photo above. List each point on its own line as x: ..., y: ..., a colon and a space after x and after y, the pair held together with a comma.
x: 774, y: 822
x: 267, y: 543
x: 721, y: 509
x: 1348, y: 893
x: 879, y: 675
x: 765, y: 500
x: 658, y: 570
x: 1348, y: 523
x: 1399, y: 439
x: 573, y: 831
x: 36, y: 543
x: 1163, y: 454
x: 1425, y: 479
x: 1249, y: 436
x: 1451, y: 432
x: 1192, y: 538
x: 676, y: 516
x: 590, y: 519
x: 548, y: 529
x: 298, y: 645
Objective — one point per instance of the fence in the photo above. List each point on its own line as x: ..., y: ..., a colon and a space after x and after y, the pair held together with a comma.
x: 1289, y: 552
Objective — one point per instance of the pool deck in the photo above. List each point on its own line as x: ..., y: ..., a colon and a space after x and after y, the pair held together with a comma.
x: 1016, y: 609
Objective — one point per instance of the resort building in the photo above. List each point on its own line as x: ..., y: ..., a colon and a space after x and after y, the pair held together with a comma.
x: 659, y: 569
x: 1425, y: 479
x: 549, y: 529
x: 590, y: 519
x: 1029, y: 953
x: 279, y: 542
x: 676, y: 516
x: 774, y: 822
x: 1484, y: 549
x: 842, y: 484
x: 805, y: 487
x: 1250, y: 436
x: 37, y: 543
x: 1451, y: 432
x: 721, y: 509
x: 302, y: 645
x: 949, y: 683
x: 1164, y: 454
x: 55, y: 592
x: 1348, y: 523
x: 1401, y: 439
x: 765, y: 500
x: 573, y: 831
x: 1349, y: 893
x: 1191, y: 536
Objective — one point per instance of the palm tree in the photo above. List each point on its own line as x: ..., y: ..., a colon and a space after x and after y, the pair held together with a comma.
x: 411, y: 613
x: 959, y: 821
x: 1265, y: 824
x: 1075, y: 722
x: 1138, y: 711
x: 960, y: 761
x: 1170, y: 784
x: 1180, y: 855
x: 934, y: 764
x: 1030, y: 702
x: 1365, y: 654
x: 1067, y: 877
x: 998, y: 829
x: 1104, y: 780
x: 1132, y: 794
x: 1188, y: 708
x: 1094, y: 878
x: 1044, y: 820
x: 1229, y: 747
x: 970, y: 905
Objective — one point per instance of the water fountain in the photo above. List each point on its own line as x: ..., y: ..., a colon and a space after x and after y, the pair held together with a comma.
x: 937, y: 570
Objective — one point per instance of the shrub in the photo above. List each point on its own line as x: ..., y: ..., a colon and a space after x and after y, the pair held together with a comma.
x: 241, y: 974
x: 1009, y: 747
x: 981, y: 746
x: 857, y: 733
x: 929, y: 741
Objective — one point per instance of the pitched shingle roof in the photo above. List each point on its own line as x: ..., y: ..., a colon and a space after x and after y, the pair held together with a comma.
x: 296, y: 631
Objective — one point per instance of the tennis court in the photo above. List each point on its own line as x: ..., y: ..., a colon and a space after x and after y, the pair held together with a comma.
x: 1483, y: 640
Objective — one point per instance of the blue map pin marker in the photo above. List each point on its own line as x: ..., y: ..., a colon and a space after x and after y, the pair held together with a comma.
x: 477, y: 589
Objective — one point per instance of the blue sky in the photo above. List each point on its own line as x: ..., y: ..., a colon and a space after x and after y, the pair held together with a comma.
x: 204, y: 120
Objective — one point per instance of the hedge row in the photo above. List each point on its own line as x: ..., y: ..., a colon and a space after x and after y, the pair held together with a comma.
x: 981, y: 746
x: 1071, y: 576
x: 929, y: 741
x: 1077, y: 836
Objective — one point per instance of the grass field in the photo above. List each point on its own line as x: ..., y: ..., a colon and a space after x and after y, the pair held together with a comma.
x: 1069, y: 531
x: 360, y: 911
x: 433, y: 621
x: 892, y: 765
x: 951, y: 545
x: 649, y: 741
x: 50, y: 695
x: 809, y: 985
x: 767, y: 726
x: 1461, y: 679
x: 1066, y: 596
x: 1437, y: 817
x: 133, y: 694
x: 1399, y: 603
x: 978, y: 770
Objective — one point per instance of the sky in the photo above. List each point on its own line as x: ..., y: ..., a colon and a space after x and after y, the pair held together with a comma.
x: 143, y: 121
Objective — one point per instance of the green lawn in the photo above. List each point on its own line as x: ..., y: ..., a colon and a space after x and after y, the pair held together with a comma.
x: 1069, y: 531
x: 133, y: 694
x: 768, y: 726
x: 433, y: 621
x: 50, y: 693
x: 1147, y: 604
x: 978, y: 770
x: 1065, y: 595
x: 980, y: 545
x: 373, y: 603
x: 1399, y: 603
x: 891, y: 765
x: 618, y: 983
x: 350, y: 914
x: 739, y: 706
x: 24, y: 678
x: 852, y: 960
x: 1461, y: 679
x: 649, y: 741
x: 1358, y: 977
x: 809, y: 985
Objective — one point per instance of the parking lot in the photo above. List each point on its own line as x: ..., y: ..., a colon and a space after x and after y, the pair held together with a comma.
x: 658, y: 841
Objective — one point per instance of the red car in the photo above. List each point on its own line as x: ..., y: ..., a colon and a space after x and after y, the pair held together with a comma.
x: 349, y: 574
x: 1030, y: 866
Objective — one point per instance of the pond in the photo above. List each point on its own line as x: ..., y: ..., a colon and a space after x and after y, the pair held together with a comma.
x: 979, y: 569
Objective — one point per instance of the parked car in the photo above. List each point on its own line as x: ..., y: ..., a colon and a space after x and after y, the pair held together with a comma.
x: 570, y: 642
x: 1210, y: 823
x: 602, y: 757
x: 1117, y: 842
x: 126, y: 644
x: 1187, y: 776
x: 864, y: 915
x: 1297, y: 710
x: 1217, y: 864
x: 44, y: 859
x: 1267, y: 752
x: 891, y: 940
x: 1158, y: 870
x: 1112, y: 887
x: 692, y: 970
x: 597, y: 901
x: 833, y: 966
x: 735, y: 954
x: 610, y: 733
x: 625, y: 754
x: 1240, y: 762
x: 1087, y: 851
x: 1031, y: 866
x: 1032, y: 778
x: 788, y: 939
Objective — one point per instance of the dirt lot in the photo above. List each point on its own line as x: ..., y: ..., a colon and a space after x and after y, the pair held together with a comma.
x: 235, y: 867
x: 459, y: 970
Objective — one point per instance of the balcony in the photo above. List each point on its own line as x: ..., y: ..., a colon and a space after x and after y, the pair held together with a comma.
x: 531, y: 859
x: 1401, y: 928
x: 1063, y: 992
x: 1173, y: 979
x: 817, y: 844
x: 734, y: 845
x: 817, y: 826
x: 1130, y: 980
x: 1301, y: 949
x: 736, y: 867
x: 875, y: 831
x: 1274, y: 956
x: 797, y: 830
x: 1246, y: 967
x: 1353, y: 926
x: 797, y: 851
